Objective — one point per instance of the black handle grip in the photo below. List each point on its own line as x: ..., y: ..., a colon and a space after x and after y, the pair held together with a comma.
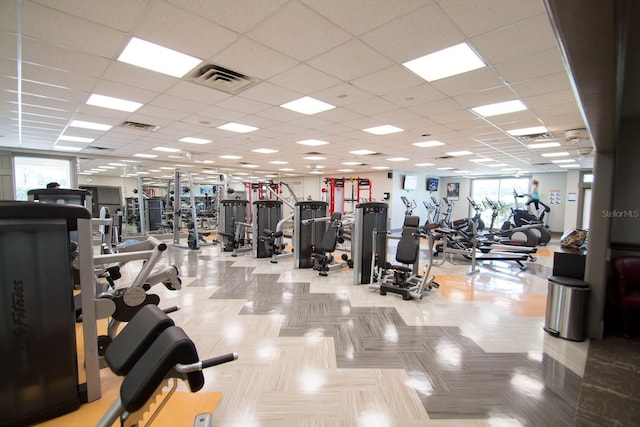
x: 219, y: 360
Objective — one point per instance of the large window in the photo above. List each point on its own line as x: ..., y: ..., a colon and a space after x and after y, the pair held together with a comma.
x: 499, y: 190
x: 36, y: 172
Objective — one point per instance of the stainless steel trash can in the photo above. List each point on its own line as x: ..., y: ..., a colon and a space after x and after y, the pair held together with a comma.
x: 567, y: 305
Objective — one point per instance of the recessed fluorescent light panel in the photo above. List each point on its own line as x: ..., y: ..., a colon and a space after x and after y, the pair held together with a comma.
x: 286, y: 169
x: 67, y: 148
x: 237, y: 127
x: 544, y: 145
x: 424, y: 164
x: 308, y: 105
x: 344, y: 170
x: 249, y: 165
x: 397, y: 159
x: 146, y: 156
x: 157, y: 58
x: 113, y: 103
x: 264, y: 151
x: 351, y: 163
x: 362, y: 152
x: 498, y: 108
x: 278, y: 162
x: 424, y: 144
x: 380, y: 167
x: 481, y: 160
x: 166, y: 149
x: 88, y: 125
x: 558, y: 154
x: 535, y: 130
x: 563, y: 161
x: 447, y: 62
x: 445, y: 169
x: 191, y: 140
x: 459, y: 153
x: 230, y: 157
x: 75, y: 138
x: 569, y: 165
x: 312, y: 142
x: 314, y: 158
x: 383, y: 130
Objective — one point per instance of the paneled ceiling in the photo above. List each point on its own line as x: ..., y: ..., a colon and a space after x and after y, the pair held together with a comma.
x: 349, y: 53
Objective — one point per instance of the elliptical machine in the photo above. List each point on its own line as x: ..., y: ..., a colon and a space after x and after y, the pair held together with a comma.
x: 523, y: 218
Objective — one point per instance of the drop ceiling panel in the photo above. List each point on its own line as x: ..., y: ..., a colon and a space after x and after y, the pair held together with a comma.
x: 239, y: 16
x: 122, y: 91
x: 357, y: 16
x: 304, y: 79
x: 472, y: 81
x: 270, y: 94
x: 190, y: 33
x: 514, y: 41
x: 55, y: 77
x: 307, y: 25
x: 414, y: 95
x: 253, y: 59
x: 389, y: 80
x: 436, y: 107
x: 119, y: 72
x: 43, y: 91
x: 350, y: 60
x: 534, y: 66
x: 551, y: 99
x: 343, y: 94
x: 197, y: 93
x: 544, y: 84
x: 428, y: 25
x: 481, y: 16
x: 8, y: 45
x: 61, y: 29
x: 372, y: 106
x: 490, y: 96
x: 75, y: 61
x: 118, y: 14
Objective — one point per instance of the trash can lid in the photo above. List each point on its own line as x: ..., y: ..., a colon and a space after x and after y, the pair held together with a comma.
x: 568, y: 281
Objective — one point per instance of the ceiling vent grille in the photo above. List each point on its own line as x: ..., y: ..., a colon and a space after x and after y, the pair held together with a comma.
x: 528, y: 138
x: 139, y: 126
x: 95, y: 147
x: 222, y: 79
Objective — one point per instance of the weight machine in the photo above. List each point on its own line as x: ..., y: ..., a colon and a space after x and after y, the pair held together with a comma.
x: 361, y: 192
x: 369, y: 241
x: 232, y: 226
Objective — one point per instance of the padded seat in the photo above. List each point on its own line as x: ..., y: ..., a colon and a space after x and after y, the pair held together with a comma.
x: 626, y: 271
x: 134, y: 339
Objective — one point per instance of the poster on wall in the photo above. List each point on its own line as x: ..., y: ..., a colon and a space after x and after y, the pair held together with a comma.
x: 555, y: 197
x: 453, y: 190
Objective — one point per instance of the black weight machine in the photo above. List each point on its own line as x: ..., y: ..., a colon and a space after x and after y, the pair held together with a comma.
x: 404, y: 277
x: 232, y: 226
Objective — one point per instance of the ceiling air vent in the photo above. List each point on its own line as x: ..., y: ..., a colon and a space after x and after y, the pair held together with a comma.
x: 222, y: 79
x: 139, y: 126
x: 94, y: 147
x: 443, y: 157
x: 527, y: 138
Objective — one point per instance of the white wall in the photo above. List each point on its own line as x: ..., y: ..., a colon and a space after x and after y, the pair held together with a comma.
x: 571, y: 207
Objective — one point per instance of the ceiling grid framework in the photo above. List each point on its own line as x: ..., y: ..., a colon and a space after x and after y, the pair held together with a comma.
x: 349, y: 54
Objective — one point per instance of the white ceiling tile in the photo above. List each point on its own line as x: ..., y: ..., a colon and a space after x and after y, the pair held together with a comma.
x: 61, y: 29
x: 452, y: 116
x: 472, y: 81
x: 436, y: 107
x: 118, y: 14
x: 155, y: 115
x: 389, y: 80
x: 484, y: 97
x: 299, y: 32
x: 75, y: 61
x: 197, y: 93
x: 56, y: 77
x: 118, y: 90
x: 480, y: 16
x: 350, y: 60
x: 545, y: 84
x: 8, y: 45
x: 243, y: 105
x: 239, y: 15
x: 39, y: 90
x: 251, y: 58
x: 130, y: 75
x: 414, y: 95
x: 520, y: 39
x: 304, y: 79
x: 189, y: 32
x: 343, y: 94
x: 9, y: 17
x: 359, y: 16
x: 222, y: 114
x: 371, y: 106
x: 416, y: 34
x: 531, y: 67
x: 550, y: 99
x: 271, y: 94
x: 179, y: 104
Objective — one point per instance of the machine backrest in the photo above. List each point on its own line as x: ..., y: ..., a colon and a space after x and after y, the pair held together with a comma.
x: 131, y: 343
x: 330, y: 238
x: 172, y: 346
x: 409, y: 244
